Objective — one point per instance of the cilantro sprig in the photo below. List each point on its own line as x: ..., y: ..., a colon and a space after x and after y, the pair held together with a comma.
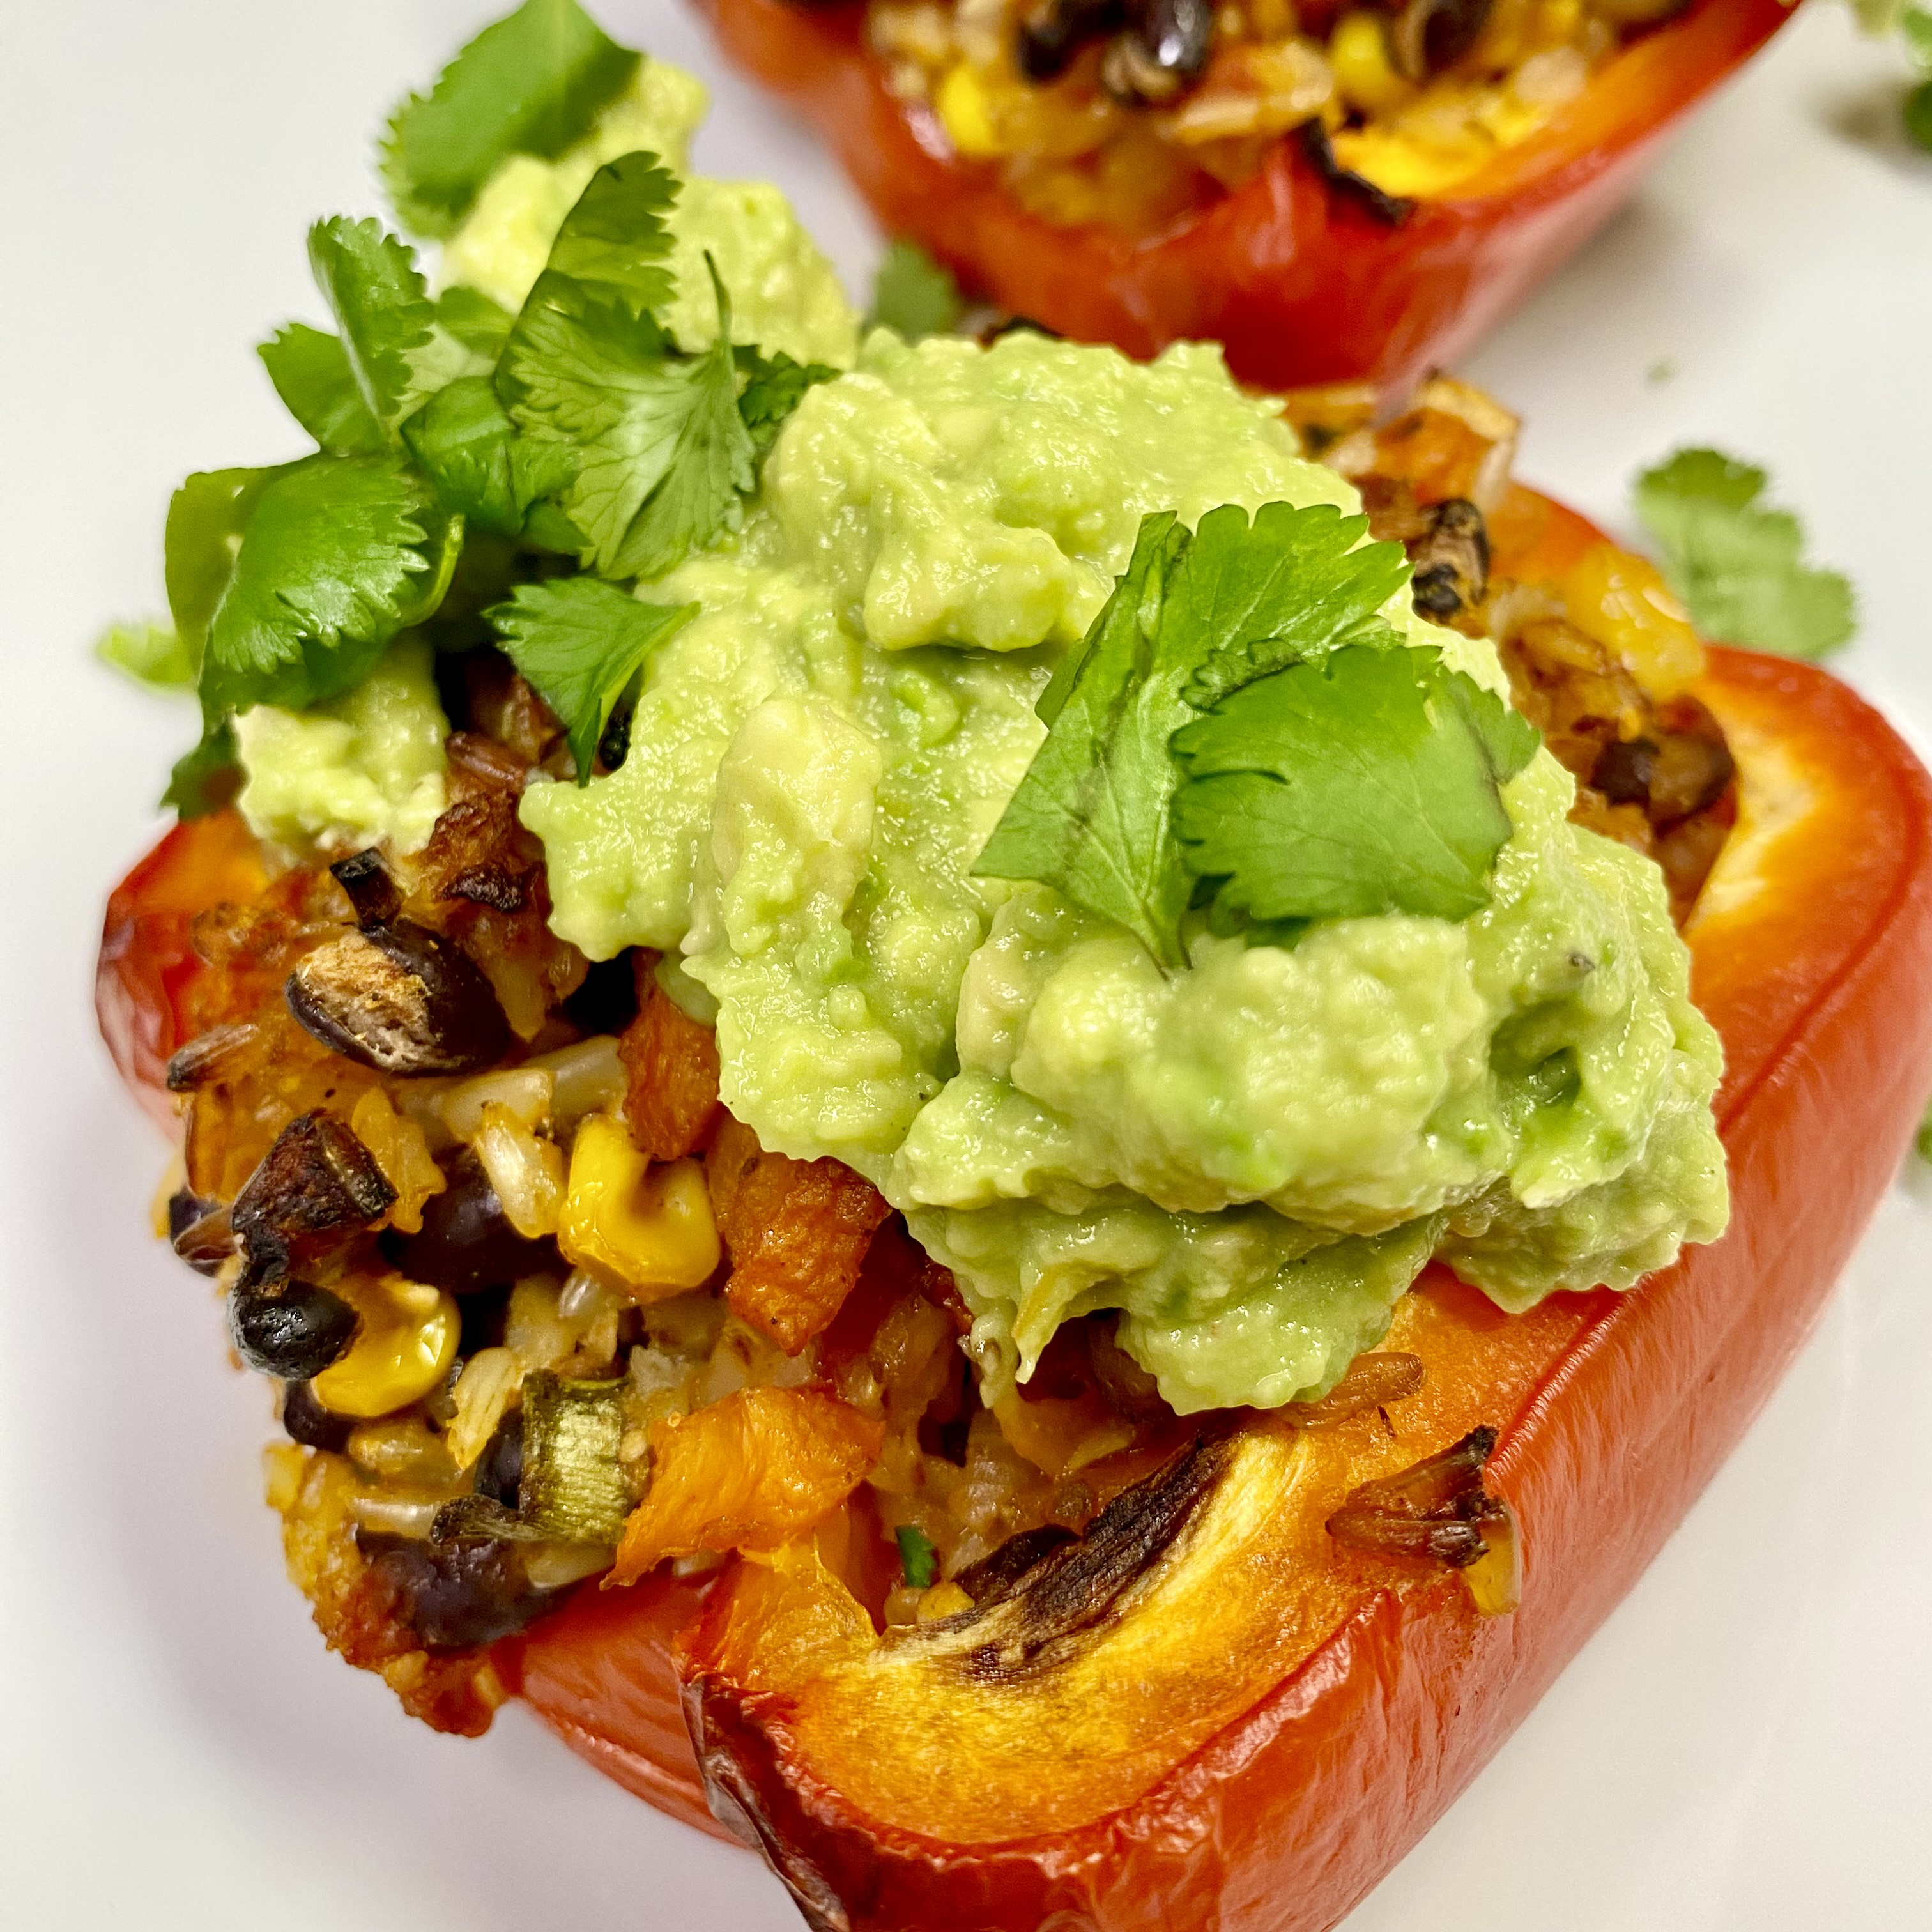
x: 1738, y: 564
x: 461, y: 451
x: 1243, y: 728
x: 663, y: 446
x: 533, y: 83
x: 580, y: 642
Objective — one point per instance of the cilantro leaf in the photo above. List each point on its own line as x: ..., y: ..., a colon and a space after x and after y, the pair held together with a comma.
x: 1916, y: 27
x: 1918, y: 113
x: 286, y: 584
x: 1361, y: 782
x: 397, y: 352
x: 917, y: 1557
x: 206, y: 778
x: 663, y: 457
x: 1193, y: 619
x: 580, y: 642
x: 1738, y: 566
x: 206, y: 517
x: 480, y: 467
x: 1296, y: 582
x: 774, y: 386
x: 1090, y: 817
x: 915, y: 294
x: 369, y: 279
x: 615, y: 241
x: 152, y: 654
x: 481, y: 325
x: 1924, y: 1141
x: 310, y: 371
x: 533, y: 83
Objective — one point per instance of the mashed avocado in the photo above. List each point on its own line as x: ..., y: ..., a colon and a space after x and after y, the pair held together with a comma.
x: 366, y: 767
x: 785, y: 295
x: 1252, y: 1157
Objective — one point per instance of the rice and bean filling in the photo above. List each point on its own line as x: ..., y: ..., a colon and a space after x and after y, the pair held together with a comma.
x: 541, y: 1311
x: 1130, y: 112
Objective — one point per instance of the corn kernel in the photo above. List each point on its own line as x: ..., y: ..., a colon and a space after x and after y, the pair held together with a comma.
x: 648, y: 1232
x: 943, y: 1600
x: 401, y: 1150
x: 965, y: 111
x: 526, y: 1171
x: 405, y: 1346
x: 1358, y: 52
x: 1622, y: 601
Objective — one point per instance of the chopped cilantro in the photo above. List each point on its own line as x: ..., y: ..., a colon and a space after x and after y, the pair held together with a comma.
x: 1916, y: 28
x: 533, y: 83
x: 580, y: 642
x: 152, y: 654
x: 1192, y: 620
x: 310, y: 371
x: 917, y: 1557
x: 914, y: 294
x: 1361, y: 782
x: 1923, y: 1142
x: 1737, y: 564
x: 206, y: 778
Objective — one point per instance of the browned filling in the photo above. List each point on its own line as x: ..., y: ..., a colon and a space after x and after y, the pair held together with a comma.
x: 457, y: 1185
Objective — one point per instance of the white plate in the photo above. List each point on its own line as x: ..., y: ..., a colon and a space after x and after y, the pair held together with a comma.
x: 1743, y: 1746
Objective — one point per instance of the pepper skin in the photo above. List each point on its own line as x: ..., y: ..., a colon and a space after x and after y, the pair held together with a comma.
x: 1303, y: 284
x: 1296, y: 1713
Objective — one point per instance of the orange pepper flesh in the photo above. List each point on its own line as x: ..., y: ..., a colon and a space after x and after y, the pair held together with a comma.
x: 1302, y: 285
x: 1619, y: 1408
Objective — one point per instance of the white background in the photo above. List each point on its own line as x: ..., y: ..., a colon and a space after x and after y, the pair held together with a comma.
x: 1745, y: 1745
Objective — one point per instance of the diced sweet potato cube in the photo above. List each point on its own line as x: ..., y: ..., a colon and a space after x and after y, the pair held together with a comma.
x: 670, y: 1097
x: 754, y: 1471
x: 796, y: 1232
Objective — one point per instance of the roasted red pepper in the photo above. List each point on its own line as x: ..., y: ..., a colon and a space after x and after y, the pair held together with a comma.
x: 1301, y: 1708
x: 1303, y: 283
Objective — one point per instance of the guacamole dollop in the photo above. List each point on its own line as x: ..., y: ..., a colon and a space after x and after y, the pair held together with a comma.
x: 366, y: 767
x: 1252, y: 1158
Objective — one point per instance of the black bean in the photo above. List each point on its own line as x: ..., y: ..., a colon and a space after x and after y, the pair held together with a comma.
x: 500, y: 1469
x: 454, y: 1594
x: 1624, y: 771
x: 466, y: 1244
x: 1053, y: 32
x: 606, y: 1002
x: 294, y: 1332
x: 306, y: 1421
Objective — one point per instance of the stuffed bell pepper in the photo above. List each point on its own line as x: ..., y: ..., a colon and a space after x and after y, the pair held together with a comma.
x: 1021, y: 1118
x: 1332, y: 191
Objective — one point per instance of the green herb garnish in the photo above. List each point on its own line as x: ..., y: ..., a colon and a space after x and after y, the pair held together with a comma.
x: 534, y: 83
x: 152, y: 654
x: 580, y: 642
x: 1194, y: 621
x: 917, y: 1557
x: 578, y: 429
x: 1738, y: 564
x: 1361, y: 782
x: 914, y: 294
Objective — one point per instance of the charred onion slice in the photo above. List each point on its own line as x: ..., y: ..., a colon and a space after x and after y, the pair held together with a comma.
x: 393, y: 995
x: 316, y: 1180
x: 1438, y: 1509
x: 1372, y: 1382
